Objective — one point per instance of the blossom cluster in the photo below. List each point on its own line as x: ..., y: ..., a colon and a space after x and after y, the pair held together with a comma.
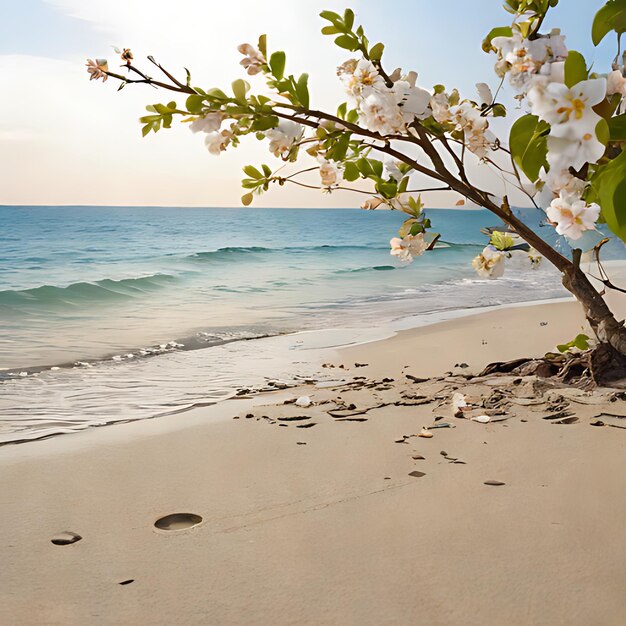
x: 536, y: 69
x: 389, y: 106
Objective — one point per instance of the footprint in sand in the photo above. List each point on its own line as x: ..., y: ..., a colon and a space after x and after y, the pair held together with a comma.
x: 178, y: 521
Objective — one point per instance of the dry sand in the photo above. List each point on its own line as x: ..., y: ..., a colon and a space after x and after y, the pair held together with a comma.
x: 326, y: 524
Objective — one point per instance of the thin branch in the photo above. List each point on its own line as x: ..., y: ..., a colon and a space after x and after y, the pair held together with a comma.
x: 289, y: 179
x: 149, y: 81
x: 170, y: 76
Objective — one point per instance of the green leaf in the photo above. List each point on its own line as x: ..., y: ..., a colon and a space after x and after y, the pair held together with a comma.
x: 335, y: 18
x: 240, y: 89
x: 350, y: 171
x: 216, y: 94
x: 340, y: 149
x: 162, y: 109
x: 348, y: 18
x: 499, y: 31
x: 575, y: 68
x: 347, y: 42
x: 252, y: 172
x: 277, y: 64
x: 617, y: 220
x: 267, y: 170
x: 498, y: 110
x: 608, y: 186
x: 146, y: 129
x: 581, y: 342
x: 330, y: 30
x: 264, y: 123
x: 612, y: 16
x: 529, y: 146
x: 364, y: 167
x: 353, y: 116
x: 603, y: 132
x: 246, y: 199
x: 377, y: 167
x: 501, y: 241
x: 617, y: 128
x: 376, y: 52
x: 406, y: 227
x: 302, y: 90
x: 263, y: 45
x: 341, y: 110
x: 387, y: 189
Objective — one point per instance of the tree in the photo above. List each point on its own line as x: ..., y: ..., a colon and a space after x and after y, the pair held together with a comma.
x: 566, y: 153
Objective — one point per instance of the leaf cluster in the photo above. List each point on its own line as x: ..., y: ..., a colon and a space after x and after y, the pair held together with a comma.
x: 349, y: 38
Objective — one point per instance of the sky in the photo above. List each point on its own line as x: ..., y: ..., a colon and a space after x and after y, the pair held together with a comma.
x: 66, y: 140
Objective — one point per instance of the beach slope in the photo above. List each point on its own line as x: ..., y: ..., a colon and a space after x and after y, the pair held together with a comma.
x: 354, y: 520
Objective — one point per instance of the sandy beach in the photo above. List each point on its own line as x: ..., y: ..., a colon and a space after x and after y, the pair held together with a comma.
x: 343, y: 522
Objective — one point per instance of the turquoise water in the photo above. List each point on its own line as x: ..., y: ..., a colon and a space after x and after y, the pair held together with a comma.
x: 104, y: 289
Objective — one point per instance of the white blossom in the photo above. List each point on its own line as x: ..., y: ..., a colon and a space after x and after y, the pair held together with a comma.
x: 558, y: 180
x: 520, y: 58
x: 566, y: 153
x: 253, y: 60
x: 569, y: 111
x: 616, y: 83
x: 372, y: 203
x: 379, y: 112
x: 484, y: 93
x: 489, y: 263
x: 328, y: 172
x: 550, y: 73
x: 408, y: 247
x: 216, y: 142
x: 391, y: 169
x: 97, y: 69
x: 414, y: 101
x: 284, y: 136
x: 207, y: 124
x: 475, y: 127
x: 360, y: 78
x: 440, y: 106
x: 523, y: 58
x: 572, y: 216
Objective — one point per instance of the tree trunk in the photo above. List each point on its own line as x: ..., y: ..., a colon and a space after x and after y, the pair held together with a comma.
x: 603, y: 323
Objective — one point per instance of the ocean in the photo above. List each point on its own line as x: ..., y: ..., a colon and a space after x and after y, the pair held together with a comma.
x: 118, y: 313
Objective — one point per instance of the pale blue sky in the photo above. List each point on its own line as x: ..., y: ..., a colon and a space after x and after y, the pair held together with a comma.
x: 60, y: 128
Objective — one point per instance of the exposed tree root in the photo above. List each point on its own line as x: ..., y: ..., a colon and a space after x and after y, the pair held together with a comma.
x: 599, y: 366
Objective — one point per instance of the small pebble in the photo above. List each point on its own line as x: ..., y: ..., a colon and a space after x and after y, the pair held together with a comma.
x: 65, y: 539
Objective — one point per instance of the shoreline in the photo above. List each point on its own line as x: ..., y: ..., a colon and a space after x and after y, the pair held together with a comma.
x: 314, y: 346
x: 320, y: 348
